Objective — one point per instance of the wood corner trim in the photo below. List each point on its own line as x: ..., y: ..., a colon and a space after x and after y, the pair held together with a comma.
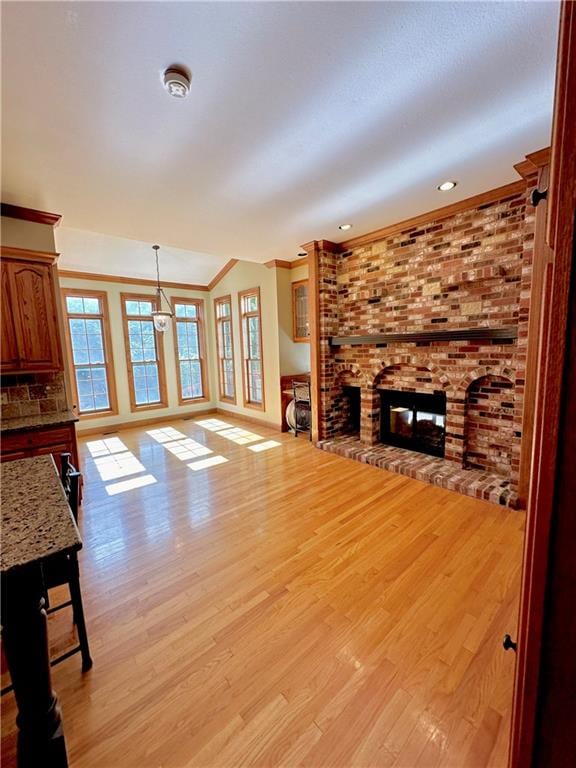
x: 328, y: 245
x: 30, y: 214
x: 436, y: 215
x: 533, y: 162
x: 301, y: 262
x: 524, y: 168
x: 25, y: 253
x: 278, y: 263
x: 541, y: 157
x: 224, y: 271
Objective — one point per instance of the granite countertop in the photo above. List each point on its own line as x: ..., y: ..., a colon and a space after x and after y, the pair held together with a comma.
x: 36, y: 520
x: 38, y: 421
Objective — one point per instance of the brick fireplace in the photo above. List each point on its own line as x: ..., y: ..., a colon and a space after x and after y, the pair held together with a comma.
x: 438, y: 308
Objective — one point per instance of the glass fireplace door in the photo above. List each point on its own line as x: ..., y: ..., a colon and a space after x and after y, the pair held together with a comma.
x: 413, y: 420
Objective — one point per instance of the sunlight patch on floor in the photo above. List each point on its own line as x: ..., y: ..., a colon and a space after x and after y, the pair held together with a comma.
x: 187, y: 449
x: 206, y: 463
x: 264, y: 446
x: 118, y: 465
x: 127, y: 485
x: 165, y: 435
x: 106, y: 447
x: 213, y: 425
x: 239, y: 436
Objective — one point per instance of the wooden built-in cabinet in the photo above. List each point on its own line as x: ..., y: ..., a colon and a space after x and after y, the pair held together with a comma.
x: 40, y: 442
x: 300, y: 316
x: 30, y: 330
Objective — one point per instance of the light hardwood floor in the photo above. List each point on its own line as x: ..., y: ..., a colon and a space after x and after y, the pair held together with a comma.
x: 284, y: 607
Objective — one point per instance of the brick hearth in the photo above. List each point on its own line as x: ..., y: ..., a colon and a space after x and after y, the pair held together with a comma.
x: 446, y: 474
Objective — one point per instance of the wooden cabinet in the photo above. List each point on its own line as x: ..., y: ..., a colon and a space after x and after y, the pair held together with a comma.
x: 30, y: 329
x: 39, y: 442
x: 300, y: 316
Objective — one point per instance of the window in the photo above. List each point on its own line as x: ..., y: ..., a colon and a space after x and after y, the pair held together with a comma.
x: 89, y: 351
x: 300, y: 323
x: 225, y: 348
x: 251, y: 332
x: 144, y: 352
x: 190, y: 344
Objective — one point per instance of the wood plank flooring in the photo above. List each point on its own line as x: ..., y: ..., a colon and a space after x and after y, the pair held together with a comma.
x: 268, y: 604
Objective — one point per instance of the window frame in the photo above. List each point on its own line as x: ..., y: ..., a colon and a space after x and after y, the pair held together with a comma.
x: 104, y: 318
x: 221, y: 396
x: 295, y: 285
x: 242, y: 317
x: 199, y: 304
x: 159, y: 353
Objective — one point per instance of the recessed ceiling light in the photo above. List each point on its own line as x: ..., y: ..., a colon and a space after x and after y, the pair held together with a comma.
x: 302, y: 253
x: 446, y: 186
x: 177, y: 81
x: 344, y: 227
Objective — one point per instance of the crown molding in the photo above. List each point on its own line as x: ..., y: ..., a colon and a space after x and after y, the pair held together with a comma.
x: 30, y: 214
x: 76, y: 275
x: 49, y: 257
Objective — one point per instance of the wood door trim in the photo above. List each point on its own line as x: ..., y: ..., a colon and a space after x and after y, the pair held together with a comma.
x: 554, y: 453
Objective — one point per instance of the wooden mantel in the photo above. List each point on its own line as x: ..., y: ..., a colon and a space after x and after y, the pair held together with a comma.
x: 463, y: 334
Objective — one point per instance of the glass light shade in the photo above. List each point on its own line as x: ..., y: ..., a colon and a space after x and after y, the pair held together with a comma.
x: 161, y: 320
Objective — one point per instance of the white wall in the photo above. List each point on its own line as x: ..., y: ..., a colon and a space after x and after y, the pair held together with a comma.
x: 125, y: 413
x: 294, y: 356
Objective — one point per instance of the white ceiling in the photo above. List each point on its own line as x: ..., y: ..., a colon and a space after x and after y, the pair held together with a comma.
x: 301, y: 116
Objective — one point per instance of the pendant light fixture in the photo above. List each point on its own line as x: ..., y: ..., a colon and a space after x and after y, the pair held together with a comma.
x: 161, y: 316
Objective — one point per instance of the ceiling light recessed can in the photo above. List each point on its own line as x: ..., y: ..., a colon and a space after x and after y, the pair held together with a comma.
x: 177, y: 81
x: 446, y: 186
x: 345, y: 227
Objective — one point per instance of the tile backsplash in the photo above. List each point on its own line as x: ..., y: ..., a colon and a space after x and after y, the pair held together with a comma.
x: 31, y: 394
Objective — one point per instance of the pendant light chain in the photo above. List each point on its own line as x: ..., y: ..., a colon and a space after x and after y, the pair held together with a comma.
x: 161, y: 317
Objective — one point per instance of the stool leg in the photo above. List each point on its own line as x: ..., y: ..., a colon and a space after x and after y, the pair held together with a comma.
x: 78, y: 611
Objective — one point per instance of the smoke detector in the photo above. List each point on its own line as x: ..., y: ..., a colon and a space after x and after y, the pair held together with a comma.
x: 177, y: 81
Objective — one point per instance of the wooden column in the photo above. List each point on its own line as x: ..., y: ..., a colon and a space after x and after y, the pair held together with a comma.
x: 314, y: 318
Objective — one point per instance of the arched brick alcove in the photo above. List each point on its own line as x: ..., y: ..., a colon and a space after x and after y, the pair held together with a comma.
x: 346, y: 399
x: 489, y: 424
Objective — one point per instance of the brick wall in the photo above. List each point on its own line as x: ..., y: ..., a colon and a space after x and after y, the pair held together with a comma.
x: 468, y: 270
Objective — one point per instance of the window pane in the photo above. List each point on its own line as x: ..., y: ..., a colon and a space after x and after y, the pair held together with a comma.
x: 91, y: 306
x: 228, y: 383
x: 74, y: 304
x: 191, y: 378
x: 180, y: 310
x: 92, y: 389
x: 250, y: 303
x: 145, y: 307
x: 254, y: 337
x: 132, y: 308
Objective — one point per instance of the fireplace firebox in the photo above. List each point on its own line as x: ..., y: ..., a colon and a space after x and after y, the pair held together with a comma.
x: 413, y: 420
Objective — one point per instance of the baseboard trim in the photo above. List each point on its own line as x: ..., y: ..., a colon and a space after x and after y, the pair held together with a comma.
x: 134, y: 424
x: 250, y: 419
